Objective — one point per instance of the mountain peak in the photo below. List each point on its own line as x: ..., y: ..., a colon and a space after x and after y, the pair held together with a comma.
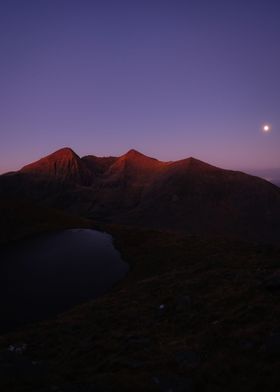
x: 188, y: 194
x: 65, y: 152
x: 195, y: 165
x: 135, y: 157
x: 134, y: 153
x: 62, y: 155
x: 62, y: 164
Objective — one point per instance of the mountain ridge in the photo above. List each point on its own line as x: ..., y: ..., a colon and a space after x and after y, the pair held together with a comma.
x: 188, y: 195
x: 66, y: 154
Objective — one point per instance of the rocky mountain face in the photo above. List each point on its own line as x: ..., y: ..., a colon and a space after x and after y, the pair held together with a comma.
x: 63, y: 165
x: 134, y: 189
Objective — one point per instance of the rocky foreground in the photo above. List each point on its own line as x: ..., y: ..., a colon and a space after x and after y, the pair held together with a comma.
x: 192, y: 315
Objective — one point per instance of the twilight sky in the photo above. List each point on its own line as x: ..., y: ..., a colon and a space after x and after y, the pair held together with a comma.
x: 171, y: 78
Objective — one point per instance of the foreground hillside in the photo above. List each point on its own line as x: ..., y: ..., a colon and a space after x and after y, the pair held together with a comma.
x: 192, y: 315
x: 21, y: 219
x: 187, y: 195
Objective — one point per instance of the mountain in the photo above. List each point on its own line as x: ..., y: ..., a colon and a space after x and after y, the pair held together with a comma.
x: 21, y: 219
x: 63, y: 165
x: 271, y: 175
x: 187, y: 195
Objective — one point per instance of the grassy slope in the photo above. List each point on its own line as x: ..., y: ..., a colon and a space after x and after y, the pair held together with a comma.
x: 217, y: 312
x: 20, y: 219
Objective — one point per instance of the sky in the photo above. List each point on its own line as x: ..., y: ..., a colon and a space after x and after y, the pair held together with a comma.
x: 170, y: 78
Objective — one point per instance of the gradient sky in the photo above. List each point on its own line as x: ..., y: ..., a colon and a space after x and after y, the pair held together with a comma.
x: 169, y: 78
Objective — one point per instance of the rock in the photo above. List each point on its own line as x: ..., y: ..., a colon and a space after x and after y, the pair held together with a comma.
x: 188, y: 358
x: 173, y: 383
x: 17, y: 348
x: 76, y: 388
x: 132, y: 363
x: 247, y: 344
x: 138, y: 340
x: 272, y: 344
x: 161, y: 310
x: 14, y: 365
x: 183, y: 303
x: 55, y: 388
x: 272, y: 282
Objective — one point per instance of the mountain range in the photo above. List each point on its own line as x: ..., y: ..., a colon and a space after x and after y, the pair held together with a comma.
x: 271, y: 175
x: 186, y: 195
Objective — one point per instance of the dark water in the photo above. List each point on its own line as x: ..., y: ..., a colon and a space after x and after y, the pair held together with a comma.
x: 44, y: 276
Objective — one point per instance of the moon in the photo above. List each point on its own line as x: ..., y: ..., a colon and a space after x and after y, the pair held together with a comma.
x: 266, y: 128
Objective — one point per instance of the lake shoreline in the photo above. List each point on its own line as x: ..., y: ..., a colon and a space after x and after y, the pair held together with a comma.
x: 67, y: 267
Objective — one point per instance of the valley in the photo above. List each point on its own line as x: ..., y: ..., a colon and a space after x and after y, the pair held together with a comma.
x: 198, y: 310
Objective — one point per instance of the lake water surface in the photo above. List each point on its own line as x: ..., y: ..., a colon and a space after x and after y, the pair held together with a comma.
x: 46, y: 275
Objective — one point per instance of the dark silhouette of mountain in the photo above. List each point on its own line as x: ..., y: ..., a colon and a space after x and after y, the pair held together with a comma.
x: 271, y: 175
x: 188, y: 195
x: 21, y: 219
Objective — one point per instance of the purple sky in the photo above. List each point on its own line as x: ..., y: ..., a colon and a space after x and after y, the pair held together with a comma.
x: 169, y: 78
